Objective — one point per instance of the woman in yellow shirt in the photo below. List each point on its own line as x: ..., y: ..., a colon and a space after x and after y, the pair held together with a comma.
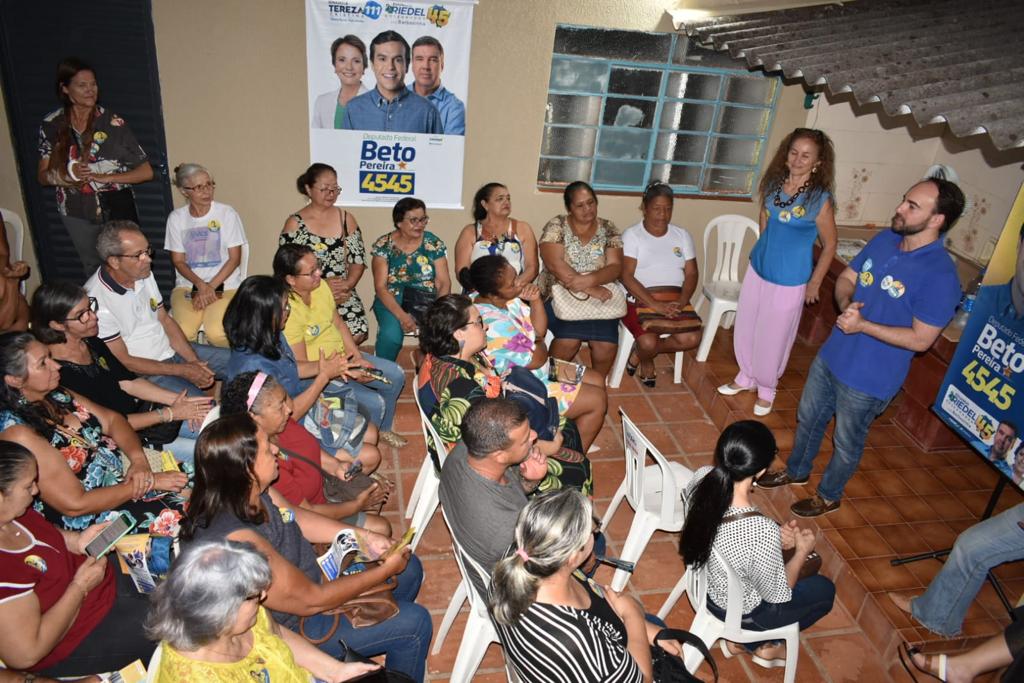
x: 209, y: 616
x: 314, y: 325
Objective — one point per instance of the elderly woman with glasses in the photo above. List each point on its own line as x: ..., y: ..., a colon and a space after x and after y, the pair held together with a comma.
x: 64, y: 319
x: 333, y: 235
x: 205, y: 239
x: 210, y: 619
x: 410, y: 270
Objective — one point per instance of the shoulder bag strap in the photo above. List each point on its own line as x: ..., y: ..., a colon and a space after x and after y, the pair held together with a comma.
x: 742, y: 515
x: 293, y: 454
x: 687, y: 638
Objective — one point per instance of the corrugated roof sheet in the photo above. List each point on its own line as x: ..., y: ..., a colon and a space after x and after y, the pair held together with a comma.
x: 940, y: 60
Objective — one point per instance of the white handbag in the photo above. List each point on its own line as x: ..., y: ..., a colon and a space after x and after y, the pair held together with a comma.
x: 581, y: 306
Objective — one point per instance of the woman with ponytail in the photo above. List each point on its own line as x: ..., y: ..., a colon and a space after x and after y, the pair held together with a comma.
x: 719, y: 515
x: 554, y: 624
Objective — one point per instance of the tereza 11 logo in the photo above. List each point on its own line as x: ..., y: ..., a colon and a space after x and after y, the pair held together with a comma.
x: 382, y: 168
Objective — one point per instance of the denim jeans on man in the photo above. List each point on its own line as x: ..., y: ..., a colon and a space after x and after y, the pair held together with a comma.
x: 812, y: 599
x: 985, y: 545
x: 824, y: 396
x: 404, y: 638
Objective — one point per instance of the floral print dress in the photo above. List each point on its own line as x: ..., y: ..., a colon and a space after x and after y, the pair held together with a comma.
x: 96, y: 461
x: 410, y: 270
x: 510, y: 342
x: 335, y: 255
x: 448, y: 386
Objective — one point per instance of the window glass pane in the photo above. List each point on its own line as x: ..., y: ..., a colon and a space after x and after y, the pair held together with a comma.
x: 693, y: 86
x: 676, y: 175
x: 750, y: 90
x: 728, y: 181
x: 734, y: 152
x: 633, y: 46
x: 742, y: 121
x: 623, y: 143
x: 635, y: 82
x: 573, y: 109
x: 681, y: 147
x: 691, y: 54
x: 578, y: 76
x: 619, y: 173
x: 568, y: 142
x: 687, y: 116
x: 633, y: 113
x: 563, y: 171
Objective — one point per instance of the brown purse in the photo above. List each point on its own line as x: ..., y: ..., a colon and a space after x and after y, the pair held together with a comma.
x: 811, y: 565
x: 373, y: 606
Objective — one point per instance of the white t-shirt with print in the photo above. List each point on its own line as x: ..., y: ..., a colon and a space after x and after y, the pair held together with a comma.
x: 205, y: 242
x: 659, y: 260
x: 131, y: 314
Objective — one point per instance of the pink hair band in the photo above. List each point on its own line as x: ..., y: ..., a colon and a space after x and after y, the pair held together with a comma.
x: 522, y: 555
x: 254, y: 389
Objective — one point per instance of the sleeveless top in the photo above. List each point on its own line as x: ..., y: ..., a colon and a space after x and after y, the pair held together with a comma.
x: 507, y: 245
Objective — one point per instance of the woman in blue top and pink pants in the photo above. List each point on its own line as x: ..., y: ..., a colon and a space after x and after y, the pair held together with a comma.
x: 796, y: 207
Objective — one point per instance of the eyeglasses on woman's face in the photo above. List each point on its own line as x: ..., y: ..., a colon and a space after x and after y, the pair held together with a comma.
x: 91, y: 307
x: 203, y: 187
x: 417, y: 221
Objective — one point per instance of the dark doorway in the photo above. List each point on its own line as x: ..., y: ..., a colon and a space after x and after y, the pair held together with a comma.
x: 116, y: 38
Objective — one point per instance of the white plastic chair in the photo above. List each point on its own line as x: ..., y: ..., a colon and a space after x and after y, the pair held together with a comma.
x: 153, y: 668
x: 423, y: 501
x: 652, y: 491
x: 710, y: 628
x: 722, y: 285
x: 16, y: 240
x: 479, y: 632
x: 210, y: 417
x: 626, y: 341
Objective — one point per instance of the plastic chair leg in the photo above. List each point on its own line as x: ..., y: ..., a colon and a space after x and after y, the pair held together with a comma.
x: 454, y: 607
x: 426, y: 471
x: 714, y: 318
x: 708, y: 629
x: 621, y: 358
x: 677, y: 371
x: 640, y: 533
x: 673, y: 597
x: 613, y: 506
x: 479, y: 634
x: 425, y: 507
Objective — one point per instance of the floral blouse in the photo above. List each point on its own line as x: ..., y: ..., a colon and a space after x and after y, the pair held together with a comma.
x: 95, y: 459
x: 583, y: 258
x: 410, y: 270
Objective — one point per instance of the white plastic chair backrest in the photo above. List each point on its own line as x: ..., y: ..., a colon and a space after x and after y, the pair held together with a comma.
x: 731, y: 229
x: 734, y: 607
x: 429, y: 433
x: 210, y: 417
x: 637, y: 446
x: 16, y: 238
x: 697, y: 586
x: 466, y: 565
x: 153, y: 668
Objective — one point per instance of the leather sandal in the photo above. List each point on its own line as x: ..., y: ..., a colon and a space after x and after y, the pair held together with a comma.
x: 907, y: 652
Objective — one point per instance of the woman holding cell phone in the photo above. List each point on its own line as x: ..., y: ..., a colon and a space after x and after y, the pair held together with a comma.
x: 62, y: 613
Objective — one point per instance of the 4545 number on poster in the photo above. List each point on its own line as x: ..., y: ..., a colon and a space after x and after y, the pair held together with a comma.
x: 386, y: 182
x: 981, y: 379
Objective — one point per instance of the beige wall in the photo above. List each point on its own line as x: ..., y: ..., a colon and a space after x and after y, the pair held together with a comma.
x: 232, y: 79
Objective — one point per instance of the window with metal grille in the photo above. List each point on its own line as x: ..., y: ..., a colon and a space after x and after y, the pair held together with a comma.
x: 629, y: 107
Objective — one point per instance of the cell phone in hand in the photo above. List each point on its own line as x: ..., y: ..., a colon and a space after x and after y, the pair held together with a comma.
x: 376, y: 373
x: 121, y: 526
x: 565, y: 372
x: 355, y: 468
x: 402, y: 542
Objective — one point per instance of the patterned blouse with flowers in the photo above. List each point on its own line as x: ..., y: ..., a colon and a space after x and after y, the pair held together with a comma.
x: 95, y: 459
x: 583, y: 258
x: 113, y: 148
x: 410, y: 270
x: 448, y: 386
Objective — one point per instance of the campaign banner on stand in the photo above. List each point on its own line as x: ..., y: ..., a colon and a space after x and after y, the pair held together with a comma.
x: 390, y: 120
x: 982, y: 395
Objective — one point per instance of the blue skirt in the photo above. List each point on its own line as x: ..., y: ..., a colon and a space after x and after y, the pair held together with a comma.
x: 583, y: 330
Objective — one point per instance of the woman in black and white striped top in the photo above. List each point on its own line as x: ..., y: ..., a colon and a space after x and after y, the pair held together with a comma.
x: 720, y: 514
x: 554, y: 625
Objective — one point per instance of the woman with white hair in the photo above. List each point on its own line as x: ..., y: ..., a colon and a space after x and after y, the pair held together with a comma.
x: 554, y: 624
x: 210, y: 619
x: 205, y: 239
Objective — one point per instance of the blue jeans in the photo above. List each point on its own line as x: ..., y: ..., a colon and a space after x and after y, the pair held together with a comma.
x: 389, y: 332
x: 985, y: 545
x: 404, y: 638
x: 812, y: 599
x: 216, y: 358
x: 377, y: 399
x: 824, y: 396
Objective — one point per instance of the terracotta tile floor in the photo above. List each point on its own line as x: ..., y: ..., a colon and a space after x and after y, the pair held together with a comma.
x: 901, y: 501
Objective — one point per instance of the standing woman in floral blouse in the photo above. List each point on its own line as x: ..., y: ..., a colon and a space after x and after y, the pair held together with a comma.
x: 407, y: 258
x: 91, y: 157
x: 333, y: 235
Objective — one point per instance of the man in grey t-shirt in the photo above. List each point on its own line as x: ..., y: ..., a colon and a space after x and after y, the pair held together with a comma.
x: 486, y: 477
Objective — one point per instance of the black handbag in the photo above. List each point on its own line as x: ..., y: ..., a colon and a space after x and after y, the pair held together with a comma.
x: 382, y: 675
x: 523, y: 387
x: 416, y: 301
x: 668, y: 668
x: 158, y: 435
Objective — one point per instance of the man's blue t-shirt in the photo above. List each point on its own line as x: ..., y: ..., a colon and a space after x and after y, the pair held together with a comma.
x: 783, y: 253
x: 895, y: 287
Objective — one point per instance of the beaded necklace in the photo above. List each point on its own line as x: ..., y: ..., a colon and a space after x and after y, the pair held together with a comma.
x: 777, y: 200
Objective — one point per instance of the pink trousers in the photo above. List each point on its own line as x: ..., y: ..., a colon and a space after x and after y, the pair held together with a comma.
x: 766, y: 321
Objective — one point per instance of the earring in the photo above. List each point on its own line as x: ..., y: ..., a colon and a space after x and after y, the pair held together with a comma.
x: 462, y: 343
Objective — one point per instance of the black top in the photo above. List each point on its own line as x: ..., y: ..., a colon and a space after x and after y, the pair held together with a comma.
x: 99, y: 380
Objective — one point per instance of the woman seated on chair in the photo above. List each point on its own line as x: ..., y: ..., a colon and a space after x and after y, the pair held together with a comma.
x: 80, y: 446
x: 455, y: 373
x: 314, y: 324
x: 235, y: 466
x: 210, y: 619
x: 64, y: 318
x: 516, y: 323
x: 255, y: 322
x: 555, y: 624
x: 659, y: 270
x: 302, y: 460
x: 720, y: 515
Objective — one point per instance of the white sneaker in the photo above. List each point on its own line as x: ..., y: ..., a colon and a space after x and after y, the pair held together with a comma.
x: 731, y: 390
x: 761, y: 411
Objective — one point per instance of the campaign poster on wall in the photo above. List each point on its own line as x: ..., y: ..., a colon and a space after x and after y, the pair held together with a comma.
x: 388, y: 90
x: 982, y: 395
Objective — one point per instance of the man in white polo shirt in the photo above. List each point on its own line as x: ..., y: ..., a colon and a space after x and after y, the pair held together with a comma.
x: 133, y: 321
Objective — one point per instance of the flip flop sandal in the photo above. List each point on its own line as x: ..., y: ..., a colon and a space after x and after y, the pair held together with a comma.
x: 908, y: 661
